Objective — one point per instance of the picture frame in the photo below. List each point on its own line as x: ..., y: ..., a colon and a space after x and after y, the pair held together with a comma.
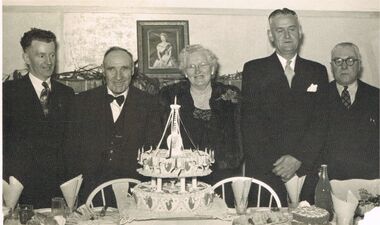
x: 159, y: 43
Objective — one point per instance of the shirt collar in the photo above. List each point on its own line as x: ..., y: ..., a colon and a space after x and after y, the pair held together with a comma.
x: 124, y: 93
x: 37, y: 82
x: 352, y: 88
x: 283, y: 61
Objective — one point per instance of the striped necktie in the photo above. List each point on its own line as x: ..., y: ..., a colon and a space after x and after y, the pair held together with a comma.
x: 289, y: 72
x: 346, y: 100
x: 44, y: 98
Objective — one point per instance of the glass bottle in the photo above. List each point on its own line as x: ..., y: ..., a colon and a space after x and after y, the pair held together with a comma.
x: 323, y: 192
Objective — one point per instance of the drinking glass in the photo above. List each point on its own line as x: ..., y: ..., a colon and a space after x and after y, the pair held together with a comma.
x: 58, y: 206
x: 344, y: 220
x: 26, y: 213
x: 291, y: 204
x: 241, y: 206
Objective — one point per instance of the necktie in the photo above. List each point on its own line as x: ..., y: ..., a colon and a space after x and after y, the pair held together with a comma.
x: 44, y: 98
x: 289, y: 72
x: 119, y: 99
x: 346, y: 97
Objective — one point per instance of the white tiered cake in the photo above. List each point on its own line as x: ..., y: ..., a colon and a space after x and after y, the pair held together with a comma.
x: 168, y: 190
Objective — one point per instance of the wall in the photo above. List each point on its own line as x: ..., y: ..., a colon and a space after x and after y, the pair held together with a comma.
x: 323, y: 5
x: 235, y: 35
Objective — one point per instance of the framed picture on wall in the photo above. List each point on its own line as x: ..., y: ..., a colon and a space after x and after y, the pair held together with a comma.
x: 159, y: 44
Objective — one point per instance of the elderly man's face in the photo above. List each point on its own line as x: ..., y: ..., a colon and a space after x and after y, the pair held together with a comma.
x: 345, y: 74
x: 118, y: 69
x: 285, y: 33
x: 198, y: 70
x: 40, y: 58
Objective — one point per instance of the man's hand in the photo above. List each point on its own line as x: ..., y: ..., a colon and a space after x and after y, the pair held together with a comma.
x: 286, y: 167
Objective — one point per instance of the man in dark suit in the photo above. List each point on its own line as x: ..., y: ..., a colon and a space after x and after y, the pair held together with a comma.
x: 280, y: 97
x: 113, y: 122
x: 352, y: 147
x: 34, y: 116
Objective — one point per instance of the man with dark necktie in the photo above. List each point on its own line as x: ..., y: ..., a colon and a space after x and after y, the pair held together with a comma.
x: 280, y: 95
x: 352, y: 146
x: 35, y: 110
x: 112, y: 122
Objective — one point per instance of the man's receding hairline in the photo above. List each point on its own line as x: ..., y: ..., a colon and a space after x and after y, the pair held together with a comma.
x: 354, y: 47
x: 118, y: 50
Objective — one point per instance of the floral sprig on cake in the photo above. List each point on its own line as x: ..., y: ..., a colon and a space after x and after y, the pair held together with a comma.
x: 229, y: 95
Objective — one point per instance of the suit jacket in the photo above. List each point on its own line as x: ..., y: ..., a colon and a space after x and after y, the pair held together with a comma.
x: 278, y: 120
x: 32, y: 150
x: 352, y: 147
x: 89, y: 145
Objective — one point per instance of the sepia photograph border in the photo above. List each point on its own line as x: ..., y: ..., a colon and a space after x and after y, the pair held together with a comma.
x: 149, y: 33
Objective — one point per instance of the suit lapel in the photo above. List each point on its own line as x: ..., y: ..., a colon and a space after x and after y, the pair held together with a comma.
x: 360, y: 96
x: 55, y: 104
x: 31, y: 100
x: 131, y: 111
x: 100, y: 114
x: 105, y: 107
x: 301, y: 78
x: 277, y: 72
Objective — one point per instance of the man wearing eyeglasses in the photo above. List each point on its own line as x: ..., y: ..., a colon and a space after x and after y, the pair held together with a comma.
x: 352, y: 146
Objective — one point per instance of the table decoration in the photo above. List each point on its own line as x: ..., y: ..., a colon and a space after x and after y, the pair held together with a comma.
x: 12, y: 192
x: 366, y: 191
x: 70, y: 190
x: 344, y: 208
x: 240, y: 189
x: 293, y: 188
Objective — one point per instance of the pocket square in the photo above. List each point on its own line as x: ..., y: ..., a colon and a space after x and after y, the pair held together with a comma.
x: 312, y: 88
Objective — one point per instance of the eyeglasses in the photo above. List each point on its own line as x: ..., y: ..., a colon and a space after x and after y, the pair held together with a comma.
x: 200, y: 67
x: 349, y: 61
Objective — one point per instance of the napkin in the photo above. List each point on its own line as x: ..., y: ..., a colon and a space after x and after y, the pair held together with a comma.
x: 60, y: 220
x: 371, y: 217
x: 294, y: 187
x: 70, y: 190
x: 12, y: 191
x: 345, y: 208
x: 241, y: 188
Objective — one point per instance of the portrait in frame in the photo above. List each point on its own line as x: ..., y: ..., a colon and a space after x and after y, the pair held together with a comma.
x: 159, y: 44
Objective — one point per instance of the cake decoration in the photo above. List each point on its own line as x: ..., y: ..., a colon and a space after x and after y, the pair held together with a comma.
x: 311, y: 215
x: 168, y: 190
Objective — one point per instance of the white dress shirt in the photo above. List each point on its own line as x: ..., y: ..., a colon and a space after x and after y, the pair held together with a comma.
x: 37, y: 84
x: 283, y: 61
x: 116, y: 108
x: 352, y: 89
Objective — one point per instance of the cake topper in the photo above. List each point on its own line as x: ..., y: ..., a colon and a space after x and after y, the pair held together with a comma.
x: 174, y: 140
